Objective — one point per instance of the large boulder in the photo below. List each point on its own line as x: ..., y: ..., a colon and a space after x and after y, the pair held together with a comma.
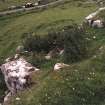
x: 17, y: 74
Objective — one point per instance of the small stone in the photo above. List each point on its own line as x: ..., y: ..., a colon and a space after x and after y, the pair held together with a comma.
x: 89, y: 78
x: 94, y: 37
x: 94, y: 56
x: 67, y: 79
x: 88, y: 39
x: 47, y: 57
x: 17, y: 99
x: 73, y: 88
x: 101, y: 48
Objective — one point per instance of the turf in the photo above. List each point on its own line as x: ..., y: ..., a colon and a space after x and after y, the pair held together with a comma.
x: 13, y: 27
x: 82, y: 83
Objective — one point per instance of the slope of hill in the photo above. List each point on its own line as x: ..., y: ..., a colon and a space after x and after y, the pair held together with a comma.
x: 14, y: 26
x: 83, y: 82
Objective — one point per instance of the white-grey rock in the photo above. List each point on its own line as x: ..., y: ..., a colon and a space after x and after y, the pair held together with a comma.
x: 17, y: 73
x: 7, y: 97
x: 48, y: 57
x: 92, y: 15
x: 17, y: 99
x: 98, y: 23
x: 59, y: 66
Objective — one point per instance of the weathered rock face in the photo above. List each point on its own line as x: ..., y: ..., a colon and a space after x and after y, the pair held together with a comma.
x: 17, y: 74
x: 95, y: 21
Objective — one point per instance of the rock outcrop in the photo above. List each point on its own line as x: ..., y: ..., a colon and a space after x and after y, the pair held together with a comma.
x: 94, y: 21
x: 17, y: 74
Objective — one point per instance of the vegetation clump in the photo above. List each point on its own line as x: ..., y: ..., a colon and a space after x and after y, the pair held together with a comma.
x: 70, y: 38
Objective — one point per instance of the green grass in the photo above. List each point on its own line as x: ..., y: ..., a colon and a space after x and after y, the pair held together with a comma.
x: 82, y: 83
x: 12, y: 27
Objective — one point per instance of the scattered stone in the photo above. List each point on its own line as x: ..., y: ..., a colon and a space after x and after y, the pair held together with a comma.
x: 73, y: 89
x: 101, y: 48
x: 29, y: 4
x: 51, y: 54
x: 94, y: 56
x: 54, y: 53
x: 8, y: 59
x: 61, y: 52
x: 16, y: 56
x: 94, y: 37
x: 88, y: 39
x: 101, y: 9
x: 20, y: 49
x: 17, y: 99
x: 92, y: 15
x: 7, y: 98
x: 98, y: 23
x: 76, y: 70
x: 47, y: 57
x: 36, y: 4
x: 59, y: 66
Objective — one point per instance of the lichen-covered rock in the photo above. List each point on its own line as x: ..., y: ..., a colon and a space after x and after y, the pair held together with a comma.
x: 17, y: 74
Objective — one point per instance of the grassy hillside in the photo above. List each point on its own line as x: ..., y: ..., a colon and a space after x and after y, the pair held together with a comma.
x: 13, y: 27
x: 83, y: 82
